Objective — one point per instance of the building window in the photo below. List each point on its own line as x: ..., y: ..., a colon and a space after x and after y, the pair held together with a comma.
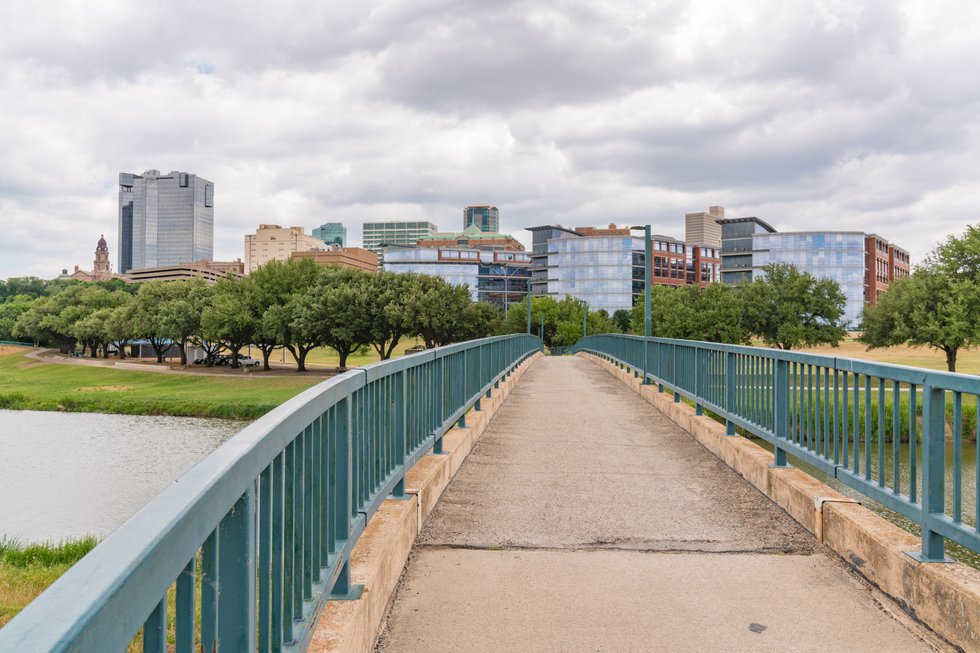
x: 183, y: 180
x: 209, y: 195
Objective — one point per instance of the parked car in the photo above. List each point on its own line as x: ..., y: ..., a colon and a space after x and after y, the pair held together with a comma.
x: 204, y: 360
x: 245, y: 361
x: 416, y: 349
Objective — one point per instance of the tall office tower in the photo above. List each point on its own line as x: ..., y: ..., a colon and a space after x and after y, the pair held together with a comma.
x: 332, y: 233
x: 164, y: 219
x: 393, y: 232
x: 702, y: 228
x: 486, y: 218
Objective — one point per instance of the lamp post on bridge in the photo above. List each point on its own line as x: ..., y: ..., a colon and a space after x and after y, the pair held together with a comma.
x: 585, y: 318
x: 647, y: 279
x: 529, y: 307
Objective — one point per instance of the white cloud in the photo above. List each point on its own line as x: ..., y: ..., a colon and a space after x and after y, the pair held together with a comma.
x: 830, y: 114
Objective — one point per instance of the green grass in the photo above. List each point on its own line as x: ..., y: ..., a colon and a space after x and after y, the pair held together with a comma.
x: 26, y: 571
x: 28, y: 384
x: 327, y: 356
x: 968, y: 360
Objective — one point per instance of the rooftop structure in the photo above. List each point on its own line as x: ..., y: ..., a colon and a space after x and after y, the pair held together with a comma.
x: 273, y: 242
x: 702, y: 228
x: 484, y: 217
x: 332, y: 233
x: 472, y: 237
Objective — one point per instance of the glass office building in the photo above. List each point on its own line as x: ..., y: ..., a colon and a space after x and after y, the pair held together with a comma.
x: 837, y: 255
x: 737, y: 246
x: 604, y: 270
x: 500, y: 277
x: 164, y: 219
x: 332, y: 233
x: 486, y: 218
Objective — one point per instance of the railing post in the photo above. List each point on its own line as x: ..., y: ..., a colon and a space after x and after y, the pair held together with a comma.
x: 155, y: 629
x: 401, y: 432
x: 730, y: 391
x: 933, y: 472
x: 782, y: 410
x: 236, y: 569
x: 441, y: 391
x: 343, y: 504
x: 698, y: 407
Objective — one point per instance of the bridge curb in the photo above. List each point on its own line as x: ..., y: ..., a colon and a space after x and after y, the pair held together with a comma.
x: 943, y: 597
x: 382, y: 551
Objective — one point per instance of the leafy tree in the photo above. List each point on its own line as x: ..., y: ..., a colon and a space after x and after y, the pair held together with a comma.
x: 92, y: 331
x: 434, y: 310
x: 929, y: 308
x: 230, y: 317
x: 387, y: 297
x: 788, y: 308
x: 480, y: 320
x: 150, y: 307
x: 178, y: 318
x: 334, y: 312
x: 622, y: 318
x: 31, y: 287
x: 278, y: 287
x: 10, y: 310
x: 120, y: 328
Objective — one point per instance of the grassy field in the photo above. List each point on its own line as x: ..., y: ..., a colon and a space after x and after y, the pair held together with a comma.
x: 327, y: 356
x: 26, y: 571
x: 28, y: 384
x: 968, y: 360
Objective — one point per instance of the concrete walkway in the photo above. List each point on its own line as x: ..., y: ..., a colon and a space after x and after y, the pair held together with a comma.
x: 584, y: 520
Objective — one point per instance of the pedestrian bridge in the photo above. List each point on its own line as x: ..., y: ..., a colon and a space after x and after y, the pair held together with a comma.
x: 606, y: 503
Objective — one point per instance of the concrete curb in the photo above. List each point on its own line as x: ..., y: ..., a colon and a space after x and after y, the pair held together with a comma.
x: 382, y: 550
x: 944, y: 597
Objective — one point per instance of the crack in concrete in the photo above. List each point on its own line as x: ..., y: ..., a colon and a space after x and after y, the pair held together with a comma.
x: 673, y: 548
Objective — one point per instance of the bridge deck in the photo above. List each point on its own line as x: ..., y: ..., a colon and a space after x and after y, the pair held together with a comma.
x: 586, y: 520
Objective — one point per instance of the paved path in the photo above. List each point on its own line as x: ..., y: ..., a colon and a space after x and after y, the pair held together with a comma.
x: 585, y: 520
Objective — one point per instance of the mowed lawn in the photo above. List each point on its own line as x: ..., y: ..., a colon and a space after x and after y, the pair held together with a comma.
x: 968, y: 360
x: 327, y: 356
x: 28, y: 384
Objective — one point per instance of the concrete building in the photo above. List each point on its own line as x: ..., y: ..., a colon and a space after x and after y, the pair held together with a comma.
x: 345, y: 257
x: 702, y: 228
x: 472, y: 238
x: 500, y: 277
x: 273, y: 242
x: 101, y: 267
x: 208, y: 270
x: 393, y: 232
x: 862, y: 264
x: 484, y: 217
x: 164, y: 219
x: 604, y: 267
x: 332, y: 233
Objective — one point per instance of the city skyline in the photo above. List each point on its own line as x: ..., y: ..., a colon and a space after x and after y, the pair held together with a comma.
x: 860, y: 116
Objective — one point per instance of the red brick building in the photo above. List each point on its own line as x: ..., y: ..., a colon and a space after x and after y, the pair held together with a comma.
x: 884, y: 264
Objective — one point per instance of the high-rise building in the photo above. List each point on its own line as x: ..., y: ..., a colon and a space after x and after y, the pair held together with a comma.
x: 332, y: 233
x: 702, y: 228
x: 485, y: 217
x: 272, y: 242
x: 164, y: 219
x: 863, y: 265
x: 496, y: 276
x: 393, y: 232
x: 604, y: 267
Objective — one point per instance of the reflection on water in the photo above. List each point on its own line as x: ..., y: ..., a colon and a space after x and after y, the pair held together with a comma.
x: 968, y: 493
x: 73, y: 474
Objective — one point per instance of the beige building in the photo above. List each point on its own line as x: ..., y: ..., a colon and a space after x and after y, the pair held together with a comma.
x: 702, y: 228
x: 346, y: 257
x: 272, y: 242
x: 210, y: 271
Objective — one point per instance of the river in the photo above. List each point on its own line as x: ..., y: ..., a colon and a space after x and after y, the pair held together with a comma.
x: 73, y: 474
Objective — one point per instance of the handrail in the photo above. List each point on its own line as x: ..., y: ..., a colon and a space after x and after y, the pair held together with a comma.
x: 835, y: 414
x: 271, y: 515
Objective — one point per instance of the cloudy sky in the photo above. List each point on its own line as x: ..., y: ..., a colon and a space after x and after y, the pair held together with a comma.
x: 811, y: 115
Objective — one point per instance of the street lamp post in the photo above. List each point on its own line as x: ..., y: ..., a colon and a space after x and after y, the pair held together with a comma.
x: 647, y: 282
x: 529, y: 306
x: 585, y: 318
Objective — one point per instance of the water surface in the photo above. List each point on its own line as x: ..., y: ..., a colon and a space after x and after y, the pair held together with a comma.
x: 73, y: 474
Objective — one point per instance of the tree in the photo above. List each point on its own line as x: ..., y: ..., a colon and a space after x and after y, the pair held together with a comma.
x: 334, y: 312
x: 10, y: 310
x: 387, y: 297
x: 480, y: 320
x: 230, y: 318
x: 434, y: 310
x: 120, y: 328
x: 92, y: 331
x: 929, y: 308
x: 278, y: 287
x: 149, y: 311
x: 621, y: 317
x: 179, y: 317
x: 789, y: 309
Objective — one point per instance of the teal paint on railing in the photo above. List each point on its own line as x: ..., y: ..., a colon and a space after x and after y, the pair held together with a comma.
x: 273, y: 513
x: 811, y: 406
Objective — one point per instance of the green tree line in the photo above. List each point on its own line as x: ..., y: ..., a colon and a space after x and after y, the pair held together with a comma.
x: 296, y: 305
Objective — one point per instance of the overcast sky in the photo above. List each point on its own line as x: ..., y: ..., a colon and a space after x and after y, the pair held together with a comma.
x: 810, y: 115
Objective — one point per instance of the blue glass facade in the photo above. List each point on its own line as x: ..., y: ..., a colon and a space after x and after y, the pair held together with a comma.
x: 332, y: 233
x: 837, y: 255
x: 605, y: 271
x: 486, y: 218
x: 164, y: 219
x: 498, y: 277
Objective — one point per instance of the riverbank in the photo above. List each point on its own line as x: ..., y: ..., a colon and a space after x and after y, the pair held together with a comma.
x: 26, y: 571
x: 28, y: 384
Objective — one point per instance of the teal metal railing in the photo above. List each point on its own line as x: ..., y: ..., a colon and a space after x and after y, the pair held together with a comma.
x: 846, y: 417
x: 265, y: 525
